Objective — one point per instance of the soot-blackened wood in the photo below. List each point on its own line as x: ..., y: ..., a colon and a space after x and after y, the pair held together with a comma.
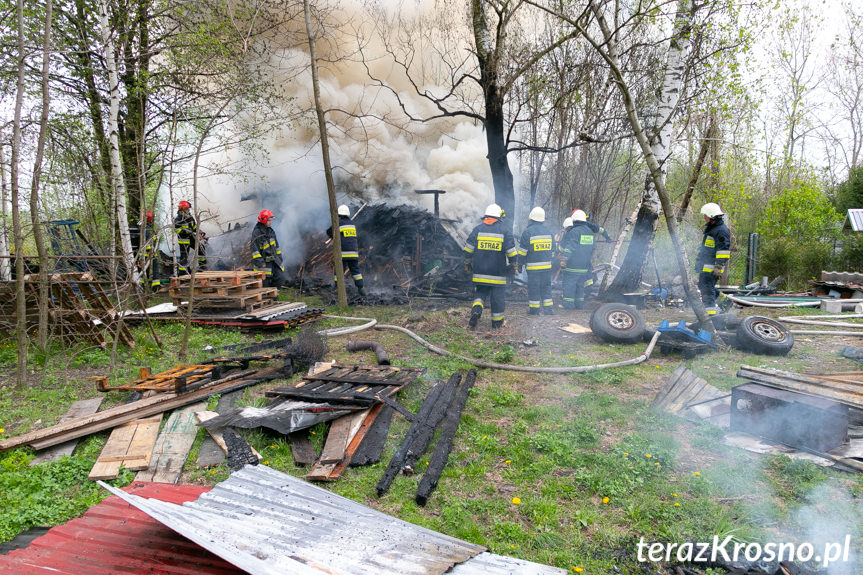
x: 301, y: 448
x: 426, y: 432
x: 372, y: 445
x: 444, y: 444
x: 240, y: 452
x: 419, y: 424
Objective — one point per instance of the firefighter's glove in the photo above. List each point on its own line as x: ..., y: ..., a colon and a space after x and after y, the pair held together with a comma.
x: 717, y: 272
x: 516, y: 269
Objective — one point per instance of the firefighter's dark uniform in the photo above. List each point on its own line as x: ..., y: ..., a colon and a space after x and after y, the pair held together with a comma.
x: 350, y: 250
x: 577, y: 246
x: 266, y: 255
x: 488, y: 246
x: 714, y: 253
x: 188, y: 237
x: 536, y: 251
x: 147, y: 259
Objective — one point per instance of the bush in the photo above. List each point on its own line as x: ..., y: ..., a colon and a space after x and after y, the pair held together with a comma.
x: 795, y: 262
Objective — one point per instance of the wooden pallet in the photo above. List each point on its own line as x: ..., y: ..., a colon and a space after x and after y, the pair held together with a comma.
x: 182, y: 291
x: 247, y: 300
x: 178, y: 379
x: 216, y: 279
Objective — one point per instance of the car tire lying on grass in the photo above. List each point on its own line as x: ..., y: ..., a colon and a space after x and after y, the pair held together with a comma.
x: 765, y: 336
x: 617, y: 323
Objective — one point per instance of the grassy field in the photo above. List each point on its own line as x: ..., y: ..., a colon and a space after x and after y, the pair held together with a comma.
x: 569, y: 470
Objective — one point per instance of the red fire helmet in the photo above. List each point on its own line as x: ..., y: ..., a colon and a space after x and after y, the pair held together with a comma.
x: 265, y: 216
x: 184, y: 205
x: 149, y: 217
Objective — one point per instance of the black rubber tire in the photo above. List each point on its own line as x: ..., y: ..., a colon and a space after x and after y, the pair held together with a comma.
x: 617, y: 323
x: 764, y: 336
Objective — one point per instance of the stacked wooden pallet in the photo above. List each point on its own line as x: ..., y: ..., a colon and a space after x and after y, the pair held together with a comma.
x: 223, y: 290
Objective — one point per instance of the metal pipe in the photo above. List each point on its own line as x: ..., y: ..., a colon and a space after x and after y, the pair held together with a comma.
x: 744, y: 302
x: 361, y: 345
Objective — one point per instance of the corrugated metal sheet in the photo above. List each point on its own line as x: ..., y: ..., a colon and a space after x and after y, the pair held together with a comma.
x: 854, y: 219
x: 115, y: 538
x: 491, y: 564
x: 269, y: 523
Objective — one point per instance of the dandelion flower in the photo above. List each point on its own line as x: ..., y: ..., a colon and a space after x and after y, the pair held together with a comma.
x: 656, y: 463
x: 605, y: 499
x: 625, y: 453
x: 2, y: 430
x: 516, y: 501
x: 697, y: 473
x: 674, y: 494
x: 578, y: 569
x: 677, y: 504
x: 647, y: 455
x: 485, y: 436
x: 508, y: 461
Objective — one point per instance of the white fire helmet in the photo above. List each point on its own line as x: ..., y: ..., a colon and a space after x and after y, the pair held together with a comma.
x: 493, y: 210
x: 579, y: 216
x: 567, y: 223
x: 711, y: 210
x: 537, y: 214
x: 344, y: 210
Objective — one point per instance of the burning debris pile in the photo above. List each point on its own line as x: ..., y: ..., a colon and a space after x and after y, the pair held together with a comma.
x: 403, y: 250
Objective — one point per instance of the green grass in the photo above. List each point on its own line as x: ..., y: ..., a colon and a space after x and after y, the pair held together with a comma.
x: 534, y: 459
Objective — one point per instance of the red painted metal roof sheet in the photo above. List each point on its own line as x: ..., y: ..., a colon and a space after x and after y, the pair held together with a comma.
x: 113, y: 538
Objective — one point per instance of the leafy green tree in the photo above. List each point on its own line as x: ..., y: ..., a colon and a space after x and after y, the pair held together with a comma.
x: 849, y: 194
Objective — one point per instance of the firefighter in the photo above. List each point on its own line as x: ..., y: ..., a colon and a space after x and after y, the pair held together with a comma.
x: 266, y: 255
x: 147, y: 262
x: 487, y: 249
x: 577, y: 246
x: 536, y: 252
x: 713, y: 255
x: 188, y: 238
x: 350, y: 247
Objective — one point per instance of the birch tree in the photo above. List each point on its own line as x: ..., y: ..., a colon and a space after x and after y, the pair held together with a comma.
x: 15, y: 189
x: 117, y: 183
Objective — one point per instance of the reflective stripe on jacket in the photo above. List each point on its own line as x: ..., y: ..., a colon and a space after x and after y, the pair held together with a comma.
x: 577, y: 245
x: 265, y: 248
x: 537, y: 247
x: 489, y: 245
x: 715, y: 249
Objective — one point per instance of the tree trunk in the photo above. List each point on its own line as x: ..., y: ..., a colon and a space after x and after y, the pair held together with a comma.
x: 487, y: 56
x: 678, y: 49
x: 20, y: 303
x: 5, y: 267
x: 696, y: 170
x: 44, y: 288
x: 325, y: 151
x: 117, y: 182
x: 659, y: 138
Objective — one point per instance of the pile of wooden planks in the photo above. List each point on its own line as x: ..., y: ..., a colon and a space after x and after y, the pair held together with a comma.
x: 846, y: 387
x: 78, y: 309
x: 355, y: 438
x: 223, y: 290
x: 687, y: 395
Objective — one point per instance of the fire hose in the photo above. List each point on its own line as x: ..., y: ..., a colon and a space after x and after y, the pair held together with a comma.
x: 478, y: 363
x: 743, y: 302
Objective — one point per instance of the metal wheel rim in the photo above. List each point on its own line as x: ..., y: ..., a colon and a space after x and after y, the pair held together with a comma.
x: 620, y: 320
x: 767, y: 331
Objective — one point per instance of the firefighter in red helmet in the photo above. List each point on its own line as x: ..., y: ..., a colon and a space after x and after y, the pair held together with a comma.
x: 266, y: 255
x: 188, y: 237
x: 147, y: 263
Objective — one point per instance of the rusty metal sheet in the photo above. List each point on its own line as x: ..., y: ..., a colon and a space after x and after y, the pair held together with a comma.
x: 267, y: 522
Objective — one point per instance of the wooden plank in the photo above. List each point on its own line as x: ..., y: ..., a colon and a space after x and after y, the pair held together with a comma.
x: 128, y: 446
x: 686, y: 380
x: 172, y: 447
x: 322, y: 471
x: 356, y: 441
x: 669, y: 385
x: 692, y: 391
x: 301, y: 448
x: 211, y: 453
x: 337, y: 440
x: 78, y: 409
x: 120, y: 414
x: 372, y: 447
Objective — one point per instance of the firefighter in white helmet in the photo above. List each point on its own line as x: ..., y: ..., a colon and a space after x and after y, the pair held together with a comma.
x: 713, y: 254
x: 577, y: 247
x: 350, y: 247
x: 487, y: 249
x: 536, y: 253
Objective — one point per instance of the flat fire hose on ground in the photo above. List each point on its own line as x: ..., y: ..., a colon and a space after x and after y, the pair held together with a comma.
x: 371, y: 322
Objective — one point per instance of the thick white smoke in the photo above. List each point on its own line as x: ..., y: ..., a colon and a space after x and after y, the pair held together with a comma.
x: 377, y: 155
